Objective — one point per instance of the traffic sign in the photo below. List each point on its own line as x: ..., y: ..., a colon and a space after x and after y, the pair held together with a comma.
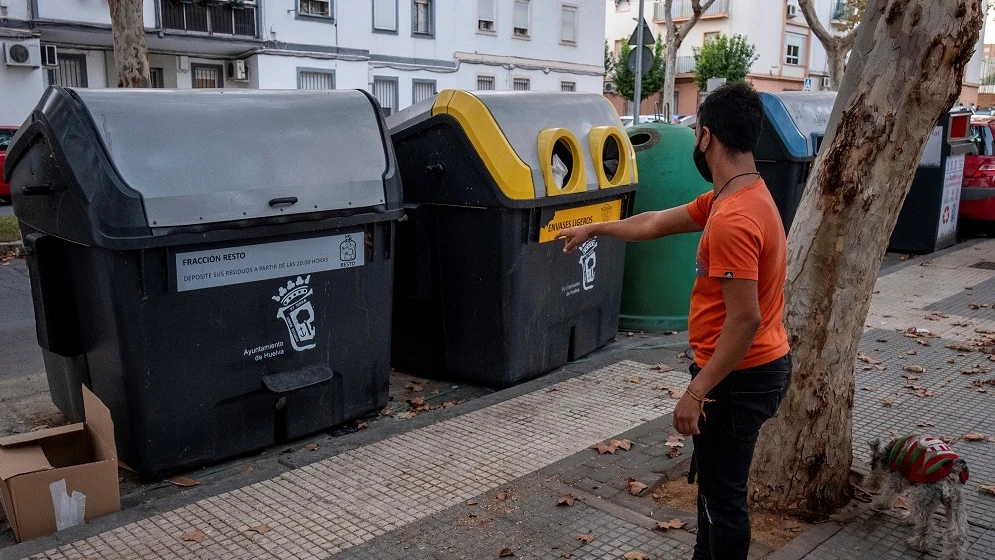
x: 647, y: 34
x: 647, y: 60
x: 808, y: 84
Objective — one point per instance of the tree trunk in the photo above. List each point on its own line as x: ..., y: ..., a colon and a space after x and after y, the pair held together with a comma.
x: 905, y: 70
x: 837, y: 65
x: 131, y: 51
x: 670, y: 72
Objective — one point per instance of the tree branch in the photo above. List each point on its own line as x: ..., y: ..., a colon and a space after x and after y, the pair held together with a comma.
x: 808, y: 10
x: 669, y: 18
x: 697, y: 8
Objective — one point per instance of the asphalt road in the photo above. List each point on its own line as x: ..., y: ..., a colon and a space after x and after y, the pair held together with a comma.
x: 19, y: 352
x: 6, y: 210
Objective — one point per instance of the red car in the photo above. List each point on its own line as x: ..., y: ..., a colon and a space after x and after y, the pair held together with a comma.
x: 979, y: 173
x: 6, y: 135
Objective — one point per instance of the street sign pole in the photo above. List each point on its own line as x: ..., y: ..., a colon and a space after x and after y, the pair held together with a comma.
x: 638, y: 96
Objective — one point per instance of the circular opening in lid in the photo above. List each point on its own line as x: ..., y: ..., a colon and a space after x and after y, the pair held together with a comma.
x: 640, y: 138
x: 610, y: 155
x: 564, y: 169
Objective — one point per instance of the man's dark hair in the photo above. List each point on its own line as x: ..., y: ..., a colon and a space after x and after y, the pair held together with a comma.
x: 733, y: 113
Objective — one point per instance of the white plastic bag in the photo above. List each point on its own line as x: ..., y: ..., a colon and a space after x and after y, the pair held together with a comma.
x: 69, y: 510
x: 559, y: 172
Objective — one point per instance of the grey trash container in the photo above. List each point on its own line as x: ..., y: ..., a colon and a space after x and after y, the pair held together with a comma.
x: 215, y: 265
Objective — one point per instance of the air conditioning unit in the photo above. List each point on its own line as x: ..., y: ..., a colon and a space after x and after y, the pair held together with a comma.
x: 825, y: 82
x: 49, y: 55
x: 21, y: 54
x: 610, y: 88
x: 792, y: 10
x: 237, y: 70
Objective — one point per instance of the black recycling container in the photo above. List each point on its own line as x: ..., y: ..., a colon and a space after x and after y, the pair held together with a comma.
x: 791, y: 133
x: 483, y: 292
x: 216, y: 266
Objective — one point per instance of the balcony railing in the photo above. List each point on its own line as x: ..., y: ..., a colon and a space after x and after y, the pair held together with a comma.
x: 212, y: 17
x: 685, y: 65
x: 682, y: 10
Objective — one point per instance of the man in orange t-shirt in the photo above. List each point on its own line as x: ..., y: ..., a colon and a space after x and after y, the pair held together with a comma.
x: 742, y: 365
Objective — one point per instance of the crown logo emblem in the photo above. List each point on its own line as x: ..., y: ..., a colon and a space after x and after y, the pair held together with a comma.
x: 297, y: 312
x: 295, y: 289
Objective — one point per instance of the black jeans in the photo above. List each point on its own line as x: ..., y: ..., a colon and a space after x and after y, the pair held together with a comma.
x: 723, y: 452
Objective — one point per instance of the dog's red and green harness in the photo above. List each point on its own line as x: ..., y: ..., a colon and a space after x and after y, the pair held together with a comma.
x: 923, y: 460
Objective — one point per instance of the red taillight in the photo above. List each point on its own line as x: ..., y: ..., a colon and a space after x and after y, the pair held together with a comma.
x: 986, y: 170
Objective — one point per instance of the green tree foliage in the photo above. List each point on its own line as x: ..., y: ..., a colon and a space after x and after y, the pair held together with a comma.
x: 625, y: 79
x: 723, y: 57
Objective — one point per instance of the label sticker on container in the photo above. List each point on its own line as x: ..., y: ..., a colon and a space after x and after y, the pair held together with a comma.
x: 197, y: 270
x: 582, y: 216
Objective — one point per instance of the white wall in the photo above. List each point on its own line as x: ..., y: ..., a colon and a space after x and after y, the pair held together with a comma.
x: 280, y: 72
x: 22, y: 87
x: 87, y: 11
x: 972, y: 74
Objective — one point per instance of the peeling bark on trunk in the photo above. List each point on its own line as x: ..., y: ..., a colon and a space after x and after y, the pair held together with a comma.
x: 905, y: 71
x: 131, y: 51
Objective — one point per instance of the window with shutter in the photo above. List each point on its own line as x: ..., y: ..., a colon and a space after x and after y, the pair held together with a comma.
x: 568, y: 23
x: 422, y: 90
x: 385, y: 15
x: 520, y: 18
x: 385, y: 91
x: 485, y: 15
x: 316, y: 79
x: 421, y: 17
x: 521, y: 84
x: 568, y: 86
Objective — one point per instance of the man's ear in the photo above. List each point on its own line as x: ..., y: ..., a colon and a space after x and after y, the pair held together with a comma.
x: 704, y: 138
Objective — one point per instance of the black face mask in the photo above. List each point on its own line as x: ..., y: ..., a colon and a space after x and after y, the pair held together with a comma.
x: 702, y: 164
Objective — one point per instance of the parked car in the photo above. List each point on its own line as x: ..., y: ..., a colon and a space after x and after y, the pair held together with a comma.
x: 627, y: 119
x: 6, y: 135
x: 979, y: 173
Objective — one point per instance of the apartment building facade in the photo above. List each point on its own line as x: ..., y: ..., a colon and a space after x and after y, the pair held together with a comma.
x: 790, y: 56
x: 402, y: 51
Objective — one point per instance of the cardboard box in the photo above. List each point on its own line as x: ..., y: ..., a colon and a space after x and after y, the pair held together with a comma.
x: 83, y: 454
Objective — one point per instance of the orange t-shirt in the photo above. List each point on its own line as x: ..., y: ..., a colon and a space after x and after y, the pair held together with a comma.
x: 743, y: 237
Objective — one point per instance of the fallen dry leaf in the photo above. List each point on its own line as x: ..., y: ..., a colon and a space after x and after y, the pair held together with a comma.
x: 672, y: 524
x: 676, y: 395
x: 362, y: 425
x: 661, y: 388
x: 880, y: 367
x: 449, y: 404
x: 960, y: 348
x: 870, y: 389
x: 926, y: 424
x: 311, y: 446
x: 413, y: 388
x: 674, y: 452
x: 417, y: 401
x: 506, y: 553
x: 634, y: 379
x: 183, y: 481
x: 914, y: 369
x: 888, y: 402
x: 248, y: 469
x: 197, y: 536
x: 602, y: 448
x: 973, y: 370
x: 923, y: 393
x: 567, y: 500
x: 987, y: 489
x: 261, y: 529
x: 636, y: 555
x: 910, y: 376
x: 682, y: 356
x: 566, y: 555
x: 951, y: 361
x: 867, y: 359
x: 471, y: 502
x: 635, y: 487
x: 921, y: 342
x: 406, y: 415
x: 585, y: 538
x: 387, y: 411
x: 622, y: 444
x: 502, y: 495
x: 662, y: 368
x: 674, y: 440
x: 974, y: 436
x: 902, y: 502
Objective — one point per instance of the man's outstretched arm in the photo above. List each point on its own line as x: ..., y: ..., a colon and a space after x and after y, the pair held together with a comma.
x: 641, y: 227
